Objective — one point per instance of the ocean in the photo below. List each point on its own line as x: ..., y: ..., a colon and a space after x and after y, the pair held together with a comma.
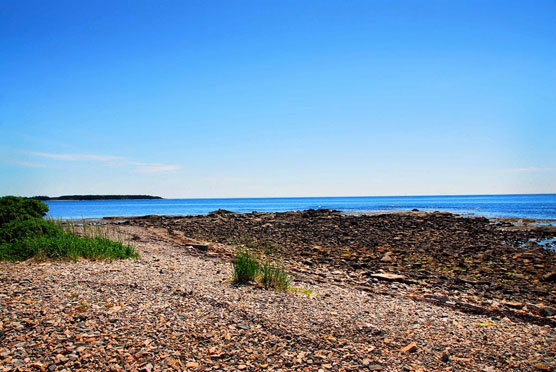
x: 535, y: 206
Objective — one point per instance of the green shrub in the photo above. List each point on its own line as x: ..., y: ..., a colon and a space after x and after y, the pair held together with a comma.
x: 17, y: 208
x: 16, y: 229
x: 246, y: 267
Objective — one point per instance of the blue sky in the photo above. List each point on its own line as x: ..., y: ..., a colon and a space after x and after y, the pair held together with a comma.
x: 277, y: 98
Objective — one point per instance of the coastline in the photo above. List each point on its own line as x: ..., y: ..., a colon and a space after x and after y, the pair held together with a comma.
x: 373, y: 292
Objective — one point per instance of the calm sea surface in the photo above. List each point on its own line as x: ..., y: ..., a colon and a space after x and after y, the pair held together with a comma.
x: 539, y: 206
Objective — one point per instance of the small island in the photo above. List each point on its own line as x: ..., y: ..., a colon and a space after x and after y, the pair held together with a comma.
x: 97, y: 197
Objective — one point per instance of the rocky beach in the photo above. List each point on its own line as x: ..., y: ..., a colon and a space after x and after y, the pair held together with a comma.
x: 408, y: 291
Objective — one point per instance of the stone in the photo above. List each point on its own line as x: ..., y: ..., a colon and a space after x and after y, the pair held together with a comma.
x: 543, y: 367
x: 389, y: 277
x: 411, y: 348
x: 61, y: 358
x: 147, y: 368
x: 387, y: 258
x: 243, y: 326
x: 437, y: 298
x: 513, y: 304
x: 201, y: 247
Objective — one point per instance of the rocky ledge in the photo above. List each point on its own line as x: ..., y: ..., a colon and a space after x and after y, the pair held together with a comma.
x: 490, y: 263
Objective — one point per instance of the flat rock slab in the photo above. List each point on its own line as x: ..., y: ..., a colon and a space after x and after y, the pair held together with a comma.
x: 390, y: 277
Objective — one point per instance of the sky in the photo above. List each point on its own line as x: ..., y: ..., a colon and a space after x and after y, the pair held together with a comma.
x: 263, y: 98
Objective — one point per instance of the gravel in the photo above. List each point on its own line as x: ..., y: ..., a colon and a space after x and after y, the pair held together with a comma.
x: 175, y: 308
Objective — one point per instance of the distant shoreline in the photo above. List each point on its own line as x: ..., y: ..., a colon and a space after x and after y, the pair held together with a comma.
x: 530, y: 207
x: 97, y: 197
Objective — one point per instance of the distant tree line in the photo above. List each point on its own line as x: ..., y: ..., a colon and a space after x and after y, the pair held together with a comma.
x: 96, y: 197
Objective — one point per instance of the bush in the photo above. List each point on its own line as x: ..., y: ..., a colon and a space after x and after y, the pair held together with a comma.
x: 20, y: 209
x: 25, y: 234
x: 15, y: 230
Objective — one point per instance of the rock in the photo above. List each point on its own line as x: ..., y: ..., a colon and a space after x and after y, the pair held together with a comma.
x: 387, y: 258
x: 243, y: 326
x: 437, y: 298
x: 546, y: 310
x: 512, y: 304
x: 541, y: 309
x: 543, y: 367
x: 192, y: 365
x: 365, y: 362
x: 411, y: 348
x: 445, y: 357
x: 201, y: 247
x: 470, y: 308
x: 389, y: 277
x: 147, y: 368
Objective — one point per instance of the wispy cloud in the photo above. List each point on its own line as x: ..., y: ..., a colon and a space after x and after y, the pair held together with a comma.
x: 78, y: 157
x: 108, y: 160
x: 529, y: 170
x: 28, y: 164
x: 155, y: 168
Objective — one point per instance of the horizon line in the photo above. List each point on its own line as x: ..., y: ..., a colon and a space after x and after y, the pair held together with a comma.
x: 301, y: 197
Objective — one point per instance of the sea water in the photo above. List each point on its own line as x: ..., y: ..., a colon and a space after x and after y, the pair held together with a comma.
x: 537, y: 206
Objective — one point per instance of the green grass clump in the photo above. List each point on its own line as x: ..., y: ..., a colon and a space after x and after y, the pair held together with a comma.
x: 25, y: 234
x: 273, y: 276
x: 246, y: 266
x: 65, y: 246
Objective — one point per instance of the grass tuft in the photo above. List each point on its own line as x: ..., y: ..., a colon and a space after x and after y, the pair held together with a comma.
x: 246, y: 266
x: 274, y: 276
